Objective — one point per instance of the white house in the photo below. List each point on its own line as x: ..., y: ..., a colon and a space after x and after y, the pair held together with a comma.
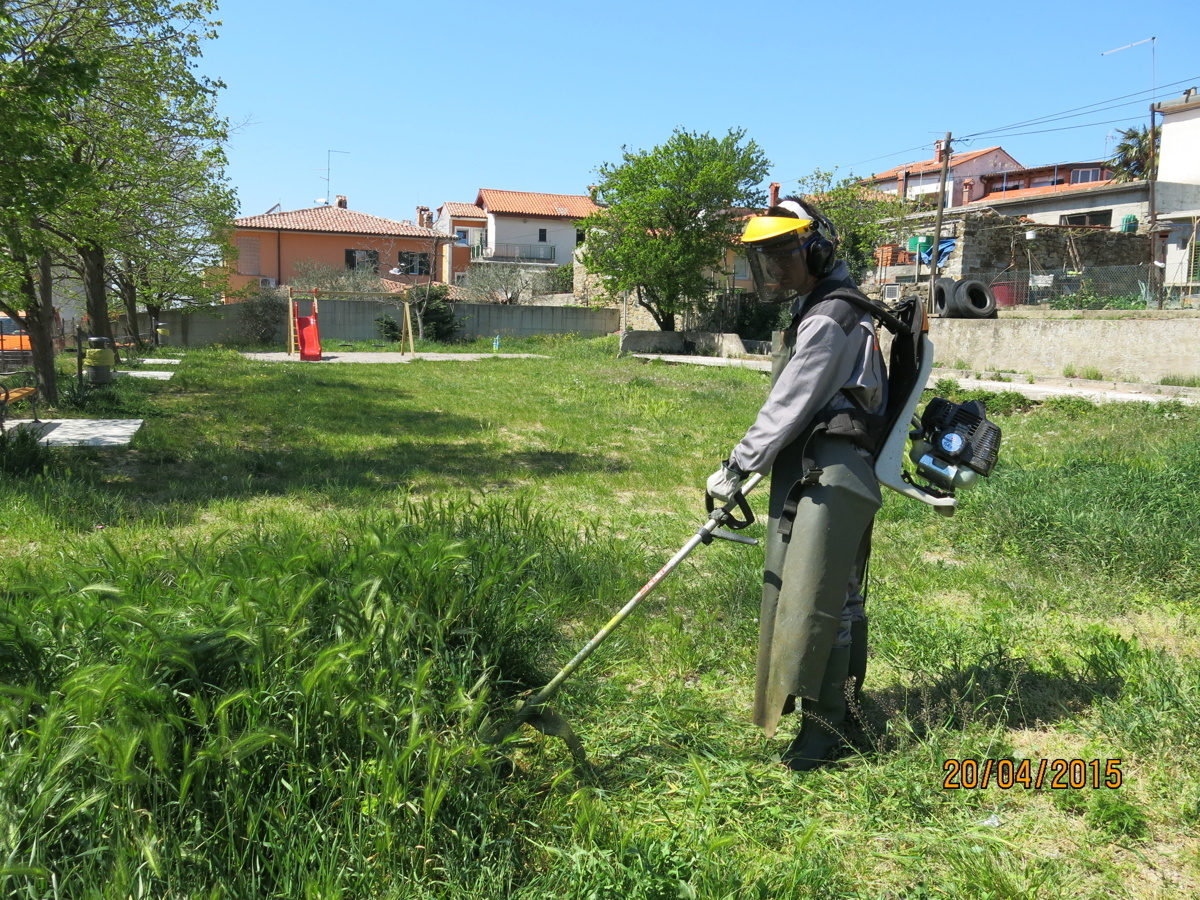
x: 1177, y: 189
x: 530, y: 229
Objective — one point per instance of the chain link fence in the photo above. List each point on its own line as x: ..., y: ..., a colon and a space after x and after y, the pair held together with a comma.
x: 1092, y: 287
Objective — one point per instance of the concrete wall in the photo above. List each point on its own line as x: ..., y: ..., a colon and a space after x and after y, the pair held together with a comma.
x: 487, y: 319
x: 354, y: 320
x: 1124, y: 349
x: 212, y: 325
x: 702, y: 343
x: 1125, y: 200
x: 1179, y: 160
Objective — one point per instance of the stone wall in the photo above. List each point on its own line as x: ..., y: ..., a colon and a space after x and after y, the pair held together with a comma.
x: 989, y: 243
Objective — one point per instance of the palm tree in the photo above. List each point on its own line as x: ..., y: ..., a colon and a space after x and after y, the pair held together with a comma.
x: 1133, y: 156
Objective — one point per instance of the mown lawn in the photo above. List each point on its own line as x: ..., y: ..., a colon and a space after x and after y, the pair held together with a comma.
x: 249, y: 656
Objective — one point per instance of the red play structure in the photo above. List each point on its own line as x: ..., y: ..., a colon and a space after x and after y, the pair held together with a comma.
x: 304, y: 334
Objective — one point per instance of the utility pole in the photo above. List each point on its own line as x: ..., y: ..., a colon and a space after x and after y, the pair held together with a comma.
x: 937, y: 227
x: 1155, y: 276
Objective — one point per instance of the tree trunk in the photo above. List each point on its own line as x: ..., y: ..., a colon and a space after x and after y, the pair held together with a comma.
x: 92, y: 257
x: 43, y: 347
x: 37, y: 318
x: 154, y: 311
x: 128, y: 289
x: 664, y: 320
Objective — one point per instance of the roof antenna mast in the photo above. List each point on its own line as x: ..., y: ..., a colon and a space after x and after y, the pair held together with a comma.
x: 328, y: 166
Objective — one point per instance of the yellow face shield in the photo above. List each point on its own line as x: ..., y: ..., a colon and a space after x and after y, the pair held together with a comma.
x: 775, y: 249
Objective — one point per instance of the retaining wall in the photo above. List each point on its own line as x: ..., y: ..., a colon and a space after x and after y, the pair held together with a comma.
x: 1122, y: 349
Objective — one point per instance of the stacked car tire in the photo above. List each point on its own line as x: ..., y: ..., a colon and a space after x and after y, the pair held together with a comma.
x: 965, y: 299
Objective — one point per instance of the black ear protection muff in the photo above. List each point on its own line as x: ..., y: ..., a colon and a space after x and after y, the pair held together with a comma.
x: 821, y: 251
x: 821, y: 256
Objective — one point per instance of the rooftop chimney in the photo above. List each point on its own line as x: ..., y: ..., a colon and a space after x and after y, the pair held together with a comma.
x: 341, y: 201
x: 939, y: 151
x: 774, y: 189
x: 424, y: 217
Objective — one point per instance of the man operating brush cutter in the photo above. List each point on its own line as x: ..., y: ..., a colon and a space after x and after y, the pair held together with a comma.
x: 815, y: 436
x: 826, y: 419
x: 835, y: 425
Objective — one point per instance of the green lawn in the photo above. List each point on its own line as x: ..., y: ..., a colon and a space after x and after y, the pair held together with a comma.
x: 249, y: 656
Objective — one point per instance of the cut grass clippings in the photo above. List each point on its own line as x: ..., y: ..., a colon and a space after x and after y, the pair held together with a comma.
x: 249, y: 656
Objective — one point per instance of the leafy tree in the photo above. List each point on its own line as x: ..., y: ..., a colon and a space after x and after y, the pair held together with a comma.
x: 1133, y: 155
x: 166, y: 251
x: 671, y: 214
x: 864, y: 217
x: 130, y: 134
x: 41, y: 77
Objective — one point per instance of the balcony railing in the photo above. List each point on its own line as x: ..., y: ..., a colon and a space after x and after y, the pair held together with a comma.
x: 514, y: 252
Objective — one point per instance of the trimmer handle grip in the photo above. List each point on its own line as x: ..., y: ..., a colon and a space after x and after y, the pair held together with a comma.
x: 738, y: 500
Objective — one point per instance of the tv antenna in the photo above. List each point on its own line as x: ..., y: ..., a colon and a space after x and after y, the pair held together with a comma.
x: 1152, y: 41
x: 328, y: 167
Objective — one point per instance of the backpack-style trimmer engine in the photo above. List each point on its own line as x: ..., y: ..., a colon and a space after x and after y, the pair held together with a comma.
x: 954, y: 444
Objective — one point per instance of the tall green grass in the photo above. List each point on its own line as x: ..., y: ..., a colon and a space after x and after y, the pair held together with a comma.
x: 287, y: 715
x: 248, y: 657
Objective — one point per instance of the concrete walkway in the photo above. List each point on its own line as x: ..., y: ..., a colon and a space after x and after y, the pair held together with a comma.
x: 82, y: 432
x: 350, y: 356
x: 144, y: 373
x: 1042, y: 385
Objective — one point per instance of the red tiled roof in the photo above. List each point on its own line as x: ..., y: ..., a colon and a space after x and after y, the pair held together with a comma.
x: 931, y: 165
x: 461, y: 210
x: 559, y: 206
x: 335, y: 220
x: 1002, y: 196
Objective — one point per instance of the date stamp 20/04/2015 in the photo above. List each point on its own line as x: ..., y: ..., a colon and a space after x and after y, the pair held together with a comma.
x: 1055, y: 774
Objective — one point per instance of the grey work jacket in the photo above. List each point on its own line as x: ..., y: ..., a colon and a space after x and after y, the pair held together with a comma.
x: 833, y: 358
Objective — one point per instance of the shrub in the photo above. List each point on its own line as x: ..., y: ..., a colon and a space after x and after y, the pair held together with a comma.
x: 261, y: 317
x: 21, y: 454
x: 389, y: 329
x: 431, y: 303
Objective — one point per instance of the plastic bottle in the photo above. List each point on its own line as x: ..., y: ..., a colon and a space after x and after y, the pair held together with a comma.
x: 496, y: 342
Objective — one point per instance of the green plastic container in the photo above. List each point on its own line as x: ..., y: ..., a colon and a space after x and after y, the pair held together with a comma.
x: 919, y: 243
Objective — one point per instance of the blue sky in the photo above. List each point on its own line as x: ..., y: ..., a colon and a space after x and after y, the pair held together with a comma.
x: 433, y: 100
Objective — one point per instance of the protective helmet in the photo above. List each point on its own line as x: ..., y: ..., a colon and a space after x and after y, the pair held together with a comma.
x: 789, y: 236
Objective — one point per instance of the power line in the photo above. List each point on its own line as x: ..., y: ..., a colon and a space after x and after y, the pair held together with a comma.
x: 1053, y: 117
x: 1003, y: 130
x: 1064, y: 128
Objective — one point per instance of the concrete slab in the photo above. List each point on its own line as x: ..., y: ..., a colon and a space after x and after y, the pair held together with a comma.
x: 1042, y: 386
x: 144, y: 373
x: 160, y: 360
x: 82, y: 432
x: 351, y: 356
x: 757, y: 365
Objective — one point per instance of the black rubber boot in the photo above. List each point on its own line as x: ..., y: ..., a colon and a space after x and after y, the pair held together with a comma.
x: 823, y: 720
x: 858, y: 663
